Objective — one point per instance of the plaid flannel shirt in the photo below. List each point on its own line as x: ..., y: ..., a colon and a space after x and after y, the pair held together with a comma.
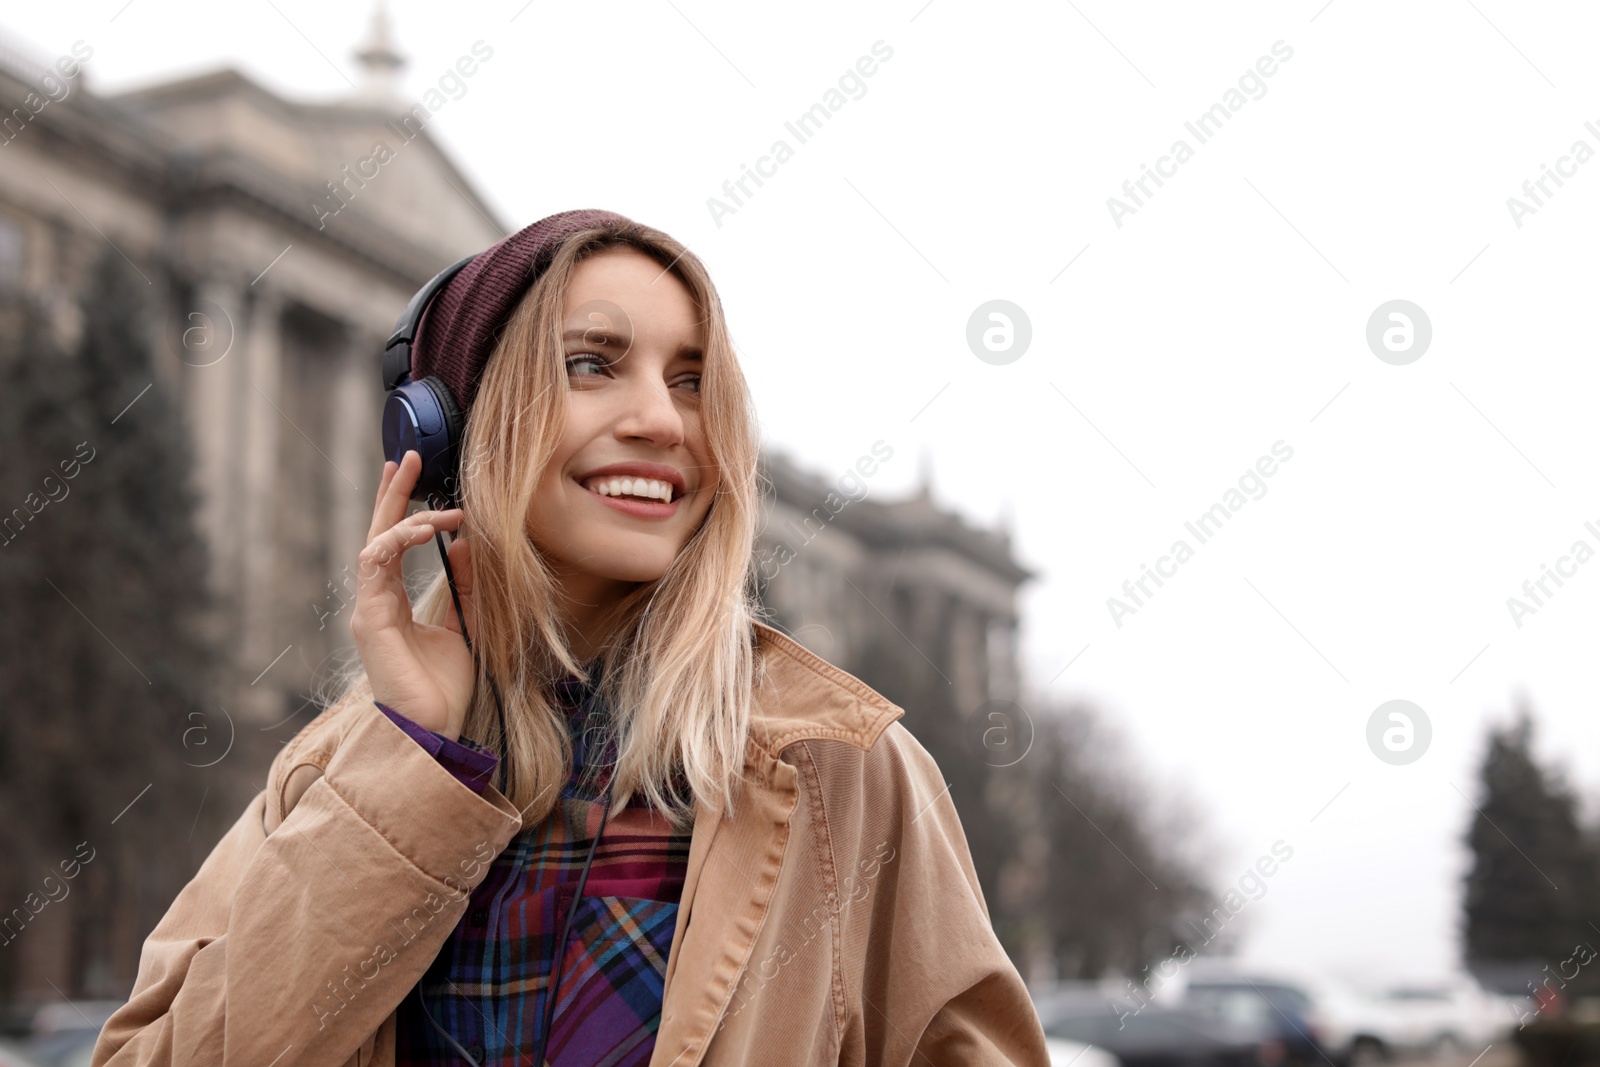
x: 487, y: 986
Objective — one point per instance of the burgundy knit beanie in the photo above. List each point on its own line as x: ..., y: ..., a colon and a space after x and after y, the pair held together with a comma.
x: 463, y: 323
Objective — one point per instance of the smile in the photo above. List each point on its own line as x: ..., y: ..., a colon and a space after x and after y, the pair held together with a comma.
x: 640, y: 488
x: 619, y: 493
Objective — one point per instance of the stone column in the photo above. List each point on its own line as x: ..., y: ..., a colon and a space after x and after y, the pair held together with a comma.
x: 355, y: 436
x: 927, y: 628
x: 1005, y: 682
x: 261, y: 348
x: 969, y: 650
x: 208, y: 339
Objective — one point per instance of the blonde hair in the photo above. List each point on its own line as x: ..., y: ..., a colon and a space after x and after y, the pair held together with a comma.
x: 678, y: 662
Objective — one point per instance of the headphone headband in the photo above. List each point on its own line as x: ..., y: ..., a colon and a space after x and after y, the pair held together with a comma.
x: 397, y: 351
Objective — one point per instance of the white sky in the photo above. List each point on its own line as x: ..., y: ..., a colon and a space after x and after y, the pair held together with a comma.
x: 1228, y: 313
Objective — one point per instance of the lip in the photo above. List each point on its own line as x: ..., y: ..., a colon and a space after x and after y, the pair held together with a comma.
x: 639, y: 509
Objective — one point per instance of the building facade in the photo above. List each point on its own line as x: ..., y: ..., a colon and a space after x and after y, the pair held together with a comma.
x: 840, y: 568
x: 280, y: 240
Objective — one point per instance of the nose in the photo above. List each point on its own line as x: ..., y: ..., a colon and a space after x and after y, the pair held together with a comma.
x: 649, y: 413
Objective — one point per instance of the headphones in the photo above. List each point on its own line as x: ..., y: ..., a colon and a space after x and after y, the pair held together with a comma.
x: 422, y: 416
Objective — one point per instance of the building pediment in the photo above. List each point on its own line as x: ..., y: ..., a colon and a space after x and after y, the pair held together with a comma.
x: 345, y: 169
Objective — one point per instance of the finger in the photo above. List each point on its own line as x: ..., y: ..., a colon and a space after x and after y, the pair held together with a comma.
x: 384, y: 549
x: 445, y: 518
x: 448, y: 519
x: 389, y: 467
x: 396, y: 497
x: 380, y: 560
x: 379, y: 506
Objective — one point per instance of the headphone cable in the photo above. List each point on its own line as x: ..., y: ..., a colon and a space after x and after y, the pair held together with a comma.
x: 583, y: 877
x: 450, y: 576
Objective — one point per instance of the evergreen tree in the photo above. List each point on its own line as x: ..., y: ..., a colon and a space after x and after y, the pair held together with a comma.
x: 106, y: 676
x: 1530, y: 892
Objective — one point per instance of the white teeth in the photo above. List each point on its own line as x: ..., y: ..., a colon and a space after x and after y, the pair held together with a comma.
x: 650, y: 488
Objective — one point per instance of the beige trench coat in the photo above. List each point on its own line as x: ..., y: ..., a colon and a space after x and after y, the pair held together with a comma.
x: 835, y: 919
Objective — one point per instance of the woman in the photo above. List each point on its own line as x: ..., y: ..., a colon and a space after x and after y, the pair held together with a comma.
x: 713, y: 845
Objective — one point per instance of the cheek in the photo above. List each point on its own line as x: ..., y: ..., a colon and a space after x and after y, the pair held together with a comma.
x: 702, y: 504
x: 549, y: 512
x: 706, y: 476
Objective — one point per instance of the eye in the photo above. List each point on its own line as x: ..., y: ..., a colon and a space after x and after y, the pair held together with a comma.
x: 694, y: 380
x: 587, y: 357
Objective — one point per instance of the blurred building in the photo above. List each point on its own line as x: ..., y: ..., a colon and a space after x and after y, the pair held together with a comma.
x: 280, y: 242
x: 278, y: 253
x: 840, y: 570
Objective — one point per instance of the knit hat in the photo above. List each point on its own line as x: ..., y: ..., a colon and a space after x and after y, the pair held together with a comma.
x: 463, y: 323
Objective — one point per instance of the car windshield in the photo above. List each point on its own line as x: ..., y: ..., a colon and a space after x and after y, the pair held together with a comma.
x: 1146, y: 1029
x: 1248, y: 1003
x: 1242, y: 1006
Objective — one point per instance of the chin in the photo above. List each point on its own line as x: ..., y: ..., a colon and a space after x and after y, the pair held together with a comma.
x: 631, y: 573
x: 623, y: 565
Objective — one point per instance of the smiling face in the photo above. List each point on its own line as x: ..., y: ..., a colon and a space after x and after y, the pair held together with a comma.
x: 633, y: 344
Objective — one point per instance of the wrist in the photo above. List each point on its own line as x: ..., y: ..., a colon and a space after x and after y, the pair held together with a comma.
x: 415, y: 724
x: 418, y: 718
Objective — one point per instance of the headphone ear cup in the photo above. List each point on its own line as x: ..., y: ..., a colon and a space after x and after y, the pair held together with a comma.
x: 423, y: 416
x: 445, y: 478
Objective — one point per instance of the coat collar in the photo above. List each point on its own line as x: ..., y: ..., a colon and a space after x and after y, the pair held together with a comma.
x: 800, y: 696
x: 734, y: 864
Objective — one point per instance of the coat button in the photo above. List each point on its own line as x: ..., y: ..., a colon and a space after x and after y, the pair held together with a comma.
x: 480, y: 917
x: 476, y: 1052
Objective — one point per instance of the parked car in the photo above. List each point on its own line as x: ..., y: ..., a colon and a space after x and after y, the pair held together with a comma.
x: 64, y: 1034
x: 1064, y: 1052
x: 12, y: 1054
x: 68, y: 1048
x: 1068, y: 1054
x: 1319, y: 1021
x: 1446, y: 1017
x: 1280, y: 1009
x: 1157, y: 1036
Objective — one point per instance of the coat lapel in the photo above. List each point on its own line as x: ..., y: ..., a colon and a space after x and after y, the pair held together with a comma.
x: 732, y: 870
x: 734, y: 864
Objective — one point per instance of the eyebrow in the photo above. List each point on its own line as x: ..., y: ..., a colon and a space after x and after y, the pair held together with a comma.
x: 596, y: 335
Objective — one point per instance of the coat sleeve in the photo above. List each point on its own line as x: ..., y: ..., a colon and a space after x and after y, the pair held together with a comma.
x: 935, y: 985
x: 297, y: 938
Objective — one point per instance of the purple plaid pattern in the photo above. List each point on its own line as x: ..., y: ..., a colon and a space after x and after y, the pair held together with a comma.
x: 488, y: 984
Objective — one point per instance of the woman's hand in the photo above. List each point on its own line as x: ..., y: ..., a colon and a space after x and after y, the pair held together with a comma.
x: 425, y: 673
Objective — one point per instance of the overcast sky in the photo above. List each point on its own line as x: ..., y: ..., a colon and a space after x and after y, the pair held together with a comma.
x: 1175, y: 341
